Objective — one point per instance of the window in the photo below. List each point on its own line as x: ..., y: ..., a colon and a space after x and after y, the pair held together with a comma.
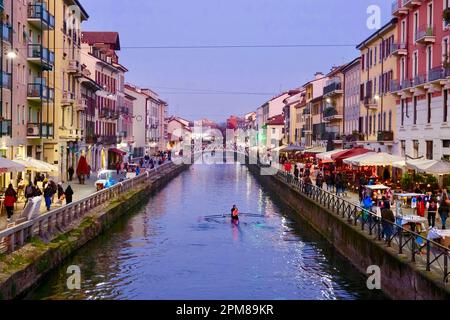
x: 429, y: 96
x: 415, y: 110
x: 416, y: 24
x: 390, y: 120
x: 403, y: 112
x: 416, y: 148
x: 403, y: 147
x: 430, y: 150
x: 445, y: 143
x: 445, y: 98
x: 430, y: 15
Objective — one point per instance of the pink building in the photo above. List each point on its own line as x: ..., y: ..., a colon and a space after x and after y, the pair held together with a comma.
x: 422, y: 82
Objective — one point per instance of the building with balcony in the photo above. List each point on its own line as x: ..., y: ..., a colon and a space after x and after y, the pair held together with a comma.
x: 289, y: 112
x: 421, y: 82
x: 352, y: 86
x: 377, y: 119
x: 101, y: 61
x: 310, y: 115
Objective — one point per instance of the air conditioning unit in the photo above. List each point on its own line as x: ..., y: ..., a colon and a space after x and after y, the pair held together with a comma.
x: 33, y: 131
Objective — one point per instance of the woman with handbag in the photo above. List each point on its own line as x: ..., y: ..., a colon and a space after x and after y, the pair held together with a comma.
x: 444, y: 208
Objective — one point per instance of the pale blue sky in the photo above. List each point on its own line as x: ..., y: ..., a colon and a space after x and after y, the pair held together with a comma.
x: 144, y: 23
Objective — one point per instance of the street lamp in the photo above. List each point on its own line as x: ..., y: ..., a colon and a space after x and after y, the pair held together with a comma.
x: 11, y: 55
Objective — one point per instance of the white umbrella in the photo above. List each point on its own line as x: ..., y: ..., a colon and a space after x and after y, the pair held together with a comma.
x: 354, y: 160
x: 36, y: 165
x: 10, y: 166
x: 377, y: 159
x: 420, y: 164
x: 438, y: 168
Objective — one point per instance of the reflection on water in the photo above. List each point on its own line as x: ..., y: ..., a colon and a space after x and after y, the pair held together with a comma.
x: 169, y: 250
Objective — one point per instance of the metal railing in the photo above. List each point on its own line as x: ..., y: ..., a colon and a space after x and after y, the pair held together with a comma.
x: 47, y: 225
x: 420, y: 250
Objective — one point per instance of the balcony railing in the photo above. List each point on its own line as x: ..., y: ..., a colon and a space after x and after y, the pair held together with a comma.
x: 400, y: 48
x: 385, y: 136
x: 37, y: 51
x: 38, y: 130
x: 40, y: 91
x: 333, y: 88
x: 40, y: 14
x: 425, y: 34
x: 330, y: 112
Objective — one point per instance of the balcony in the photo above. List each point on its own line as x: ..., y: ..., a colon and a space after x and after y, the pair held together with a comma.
x: 385, y: 136
x: 426, y: 35
x: 81, y: 105
x: 400, y: 49
x: 5, y: 127
x: 39, y: 130
x: 115, y: 115
x: 438, y: 74
x: 371, y: 103
x: 6, y: 80
x: 74, y: 68
x: 39, y: 17
x: 411, y: 3
x: 332, y: 89
x: 331, y: 114
x: 68, y: 99
x: 398, y: 10
x: 38, y: 91
x: 105, y: 113
x: 41, y: 56
x: 6, y: 33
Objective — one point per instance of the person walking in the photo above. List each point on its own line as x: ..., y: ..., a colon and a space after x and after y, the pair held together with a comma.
x: 387, y: 222
x: 421, y: 207
x: 339, y: 184
x: 432, y: 208
x: 444, y: 209
x: 61, y: 193
x: 10, y: 200
x: 319, y: 180
x: 48, y: 194
x: 36, y: 191
x: 69, y: 194
x: 28, y: 193
x: 71, y: 172
x: 296, y: 173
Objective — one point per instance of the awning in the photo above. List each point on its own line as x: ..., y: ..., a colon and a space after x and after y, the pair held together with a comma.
x: 328, y: 155
x: 293, y: 148
x: 316, y: 150
x: 36, y: 165
x: 377, y: 187
x: 10, y: 166
x: 117, y: 151
x: 431, y: 167
x: 350, y: 153
x: 353, y: 161
x: 373, y: 159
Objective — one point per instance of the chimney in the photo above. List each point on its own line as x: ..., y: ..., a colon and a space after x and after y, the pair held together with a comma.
x: 319, y: 75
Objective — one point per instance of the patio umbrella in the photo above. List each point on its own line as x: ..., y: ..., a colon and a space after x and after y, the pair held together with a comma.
x: 354, y: 160
x: 36, y: 165
x: 377, y: 159
x: 10, y: 166
x: 438, y: 168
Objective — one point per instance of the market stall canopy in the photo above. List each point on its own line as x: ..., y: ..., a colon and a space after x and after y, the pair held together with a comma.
x: 328, y: 155
x: 377, y: 187
x: 350, y: 153
x: 117, y: 151
x: 278, y: 149
x: 10, y: 166
x: 420, y: 164
x: 293, y: 148
x: 438, y: 167
x: 316, y: 150
x: 36, y: 165
x: 354, y: 160
x: 375, y: 159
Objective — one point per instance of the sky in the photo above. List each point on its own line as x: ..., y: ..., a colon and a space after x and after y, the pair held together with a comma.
x: 216, y: 83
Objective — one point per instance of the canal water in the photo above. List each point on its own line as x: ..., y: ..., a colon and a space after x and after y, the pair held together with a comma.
x: 173, y: 249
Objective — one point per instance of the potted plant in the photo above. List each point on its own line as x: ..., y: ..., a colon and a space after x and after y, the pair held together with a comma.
x: 446, y: 16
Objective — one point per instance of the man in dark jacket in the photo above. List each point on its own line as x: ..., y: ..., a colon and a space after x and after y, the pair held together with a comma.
x: 69, y: 194
x: 387, y: 216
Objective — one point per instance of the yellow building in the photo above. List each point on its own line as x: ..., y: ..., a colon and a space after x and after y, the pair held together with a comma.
x: 65, y: 147
x: 378, y: 105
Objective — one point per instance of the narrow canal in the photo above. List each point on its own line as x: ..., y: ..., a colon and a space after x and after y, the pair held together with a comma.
x: 169, y: 250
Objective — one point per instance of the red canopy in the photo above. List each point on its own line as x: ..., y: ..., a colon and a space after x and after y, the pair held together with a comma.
x: 341, y: 156
x: 118, y: 151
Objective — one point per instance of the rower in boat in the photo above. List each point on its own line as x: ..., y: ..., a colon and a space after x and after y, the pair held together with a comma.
x: 234, y: 213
